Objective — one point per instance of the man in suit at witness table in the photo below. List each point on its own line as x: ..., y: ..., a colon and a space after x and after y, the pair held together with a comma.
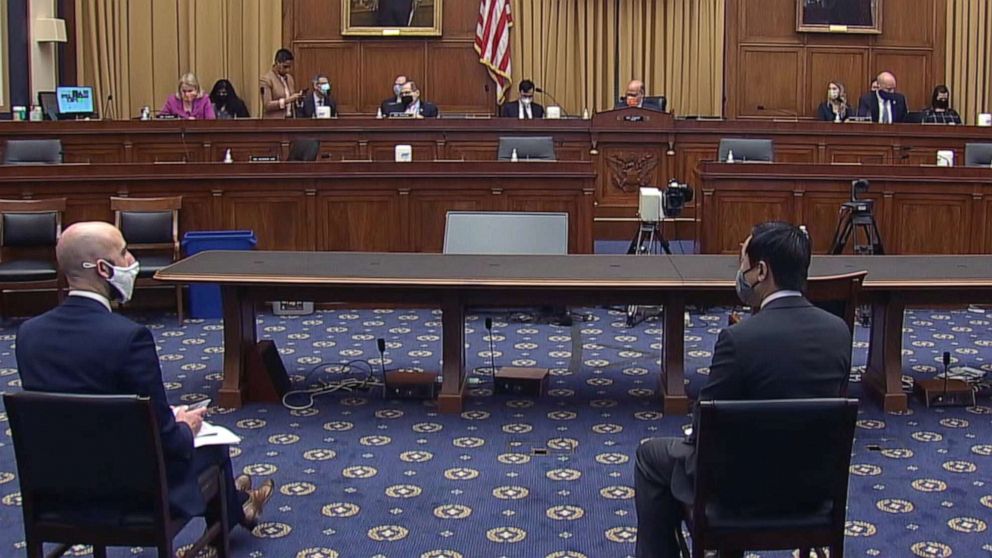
x: 885, y: 106
x: 319, y: 96
x: 524, y: 107
x: 82, y: 347
x: 790, y: 349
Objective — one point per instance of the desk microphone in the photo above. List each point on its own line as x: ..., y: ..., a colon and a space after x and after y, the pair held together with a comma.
x: 555, y: 101
x: 108, y: 108
x: 492, y: 347
x: 381, y: 345
x: 182, y: 138
x: 947, y: 363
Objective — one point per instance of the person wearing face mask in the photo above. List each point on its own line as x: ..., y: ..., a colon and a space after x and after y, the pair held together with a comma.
x: 940, y: 111
x: 226, y: 102
x: 391, y: 104
x: 524, y: 107
x: 188, y: 103
x: 319, y: 97
x: 835, y: 108
x: 885, y: 106
x: 279, y: 94
x: 634, y: 98
x: 411, y: 105
x: 83, y: 347
x: 790, y: 349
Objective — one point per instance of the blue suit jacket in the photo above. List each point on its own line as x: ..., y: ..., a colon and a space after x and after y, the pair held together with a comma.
x: 80, y: 347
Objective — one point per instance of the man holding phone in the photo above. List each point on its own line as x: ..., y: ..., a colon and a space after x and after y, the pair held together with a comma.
x: 82, y: 347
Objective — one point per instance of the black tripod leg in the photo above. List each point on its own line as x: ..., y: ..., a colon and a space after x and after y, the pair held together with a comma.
x: 876, y: 238
x: 843, y: 233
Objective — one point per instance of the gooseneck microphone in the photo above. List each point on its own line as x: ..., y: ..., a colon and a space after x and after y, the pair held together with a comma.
x: 108, y: 108
x: 555, y: 101
x: 947, y: 363
x: 492, y: 347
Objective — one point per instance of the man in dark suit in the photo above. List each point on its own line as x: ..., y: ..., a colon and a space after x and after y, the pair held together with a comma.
x: 524, y: 107
x: 885, y: 106
x: 83, y: 347
x: 394, y: 13
x: 319, y: 96
x: 789, y: 349
x: 411, y: 105
x: 397, y: 97
x: 634, y: 98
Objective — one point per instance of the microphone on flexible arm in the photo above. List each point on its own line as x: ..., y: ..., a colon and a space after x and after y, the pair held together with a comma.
x: 182, y: 138
x: 947, y: 363
x: 492, y: 347
x: 108, y: 107
x: 555, y: 101
x: 381, y: 345
x: 779, y: 112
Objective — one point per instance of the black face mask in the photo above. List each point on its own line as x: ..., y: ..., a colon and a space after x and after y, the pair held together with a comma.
x: 222, y: 96
x: 942, y: 103
x: 407, y: 99
x: 885, y: 95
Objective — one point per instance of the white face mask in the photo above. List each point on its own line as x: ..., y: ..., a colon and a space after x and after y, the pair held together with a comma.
x: 526, y: 101
x: 122, y: 280
x: 397, y: 90
x: 834, y: 94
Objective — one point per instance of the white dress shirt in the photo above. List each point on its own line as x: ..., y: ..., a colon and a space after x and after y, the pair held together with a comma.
x: 777, y: 295
x: 526, y: 111
x: 92, y: 296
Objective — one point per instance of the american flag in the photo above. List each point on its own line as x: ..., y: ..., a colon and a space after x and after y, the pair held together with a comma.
x: 492, y: 42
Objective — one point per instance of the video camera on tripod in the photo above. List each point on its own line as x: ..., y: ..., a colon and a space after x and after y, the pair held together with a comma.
x: 654, y: 204
x: 857, y: 215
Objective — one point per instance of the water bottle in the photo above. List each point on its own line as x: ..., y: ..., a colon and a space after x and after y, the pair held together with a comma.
x: 227, y: 156
x: 730, y: 156
x: 378, y: 113
x: 146, y: 113
x: 513, y: 156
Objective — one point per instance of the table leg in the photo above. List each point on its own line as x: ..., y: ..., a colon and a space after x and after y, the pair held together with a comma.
x: 883, y: 376
x: 673, y: 397
x: 239, y: 339
x: 453, y: 355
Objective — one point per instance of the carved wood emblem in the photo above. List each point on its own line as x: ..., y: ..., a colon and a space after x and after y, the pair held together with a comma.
x: 631, y: 171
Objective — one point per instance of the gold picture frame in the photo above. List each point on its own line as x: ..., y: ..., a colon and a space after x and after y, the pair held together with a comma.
x: 391, y: 18
x: 839, y: 16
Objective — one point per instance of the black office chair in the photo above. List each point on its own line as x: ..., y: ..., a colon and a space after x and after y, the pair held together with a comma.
x: 771, y: 475
x: 29, y: 231
x: 539, y: 148
x: 304, y: 150
x: 32, y: 152
x: 91, y: 472
x: 978, y: 154
x: 747, y: 150
x: 150, y: 226
x: 660, y: 100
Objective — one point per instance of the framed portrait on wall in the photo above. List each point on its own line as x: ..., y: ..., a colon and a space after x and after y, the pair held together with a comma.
x: 391, y: 18
x: 839, y: 16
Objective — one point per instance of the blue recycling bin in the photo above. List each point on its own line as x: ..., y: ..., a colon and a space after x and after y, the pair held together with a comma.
x: 204, y: 299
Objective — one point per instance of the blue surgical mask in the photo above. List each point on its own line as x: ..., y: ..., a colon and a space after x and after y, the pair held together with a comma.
x: 745, y: 290
x: 397, y: 89
x: 325, y: 88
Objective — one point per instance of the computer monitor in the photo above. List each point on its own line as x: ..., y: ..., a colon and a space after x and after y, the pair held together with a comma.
x: 746, y: 150
x: 506, y: 233
x: 304, y: 150
x: 978, y: 154
x: 540, y: 148
x: 75, y: 101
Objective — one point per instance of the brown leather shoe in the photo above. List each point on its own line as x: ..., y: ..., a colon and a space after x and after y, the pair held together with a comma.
x: 242, y: 483
x: 256, y: 502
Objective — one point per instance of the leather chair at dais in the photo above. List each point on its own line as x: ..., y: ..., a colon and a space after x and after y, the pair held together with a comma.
x: 29, y: 231
x: 837, y: 294
x: 151, y: 229
x: 92, y: 472
x: 771, y: 475
x: 32, y: 152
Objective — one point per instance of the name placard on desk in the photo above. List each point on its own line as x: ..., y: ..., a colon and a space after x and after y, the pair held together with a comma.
x: 263, y: 158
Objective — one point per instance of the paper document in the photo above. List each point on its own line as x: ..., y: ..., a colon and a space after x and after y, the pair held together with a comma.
x: 213, y: 435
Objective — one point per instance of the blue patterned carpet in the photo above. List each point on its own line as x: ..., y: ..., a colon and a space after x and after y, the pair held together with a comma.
x: 360, y: 476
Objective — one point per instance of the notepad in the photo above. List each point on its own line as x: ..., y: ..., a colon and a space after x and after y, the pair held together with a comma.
x: 214, y: 435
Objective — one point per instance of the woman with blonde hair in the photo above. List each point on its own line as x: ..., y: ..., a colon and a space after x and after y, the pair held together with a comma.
x: 835, y: 108
x: 189, y: 102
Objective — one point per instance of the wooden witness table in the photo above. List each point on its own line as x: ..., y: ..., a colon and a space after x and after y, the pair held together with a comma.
x: 455, y: 283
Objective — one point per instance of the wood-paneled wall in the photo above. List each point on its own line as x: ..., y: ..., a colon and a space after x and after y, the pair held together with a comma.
x: 771, y: 65
x: 362, y: 70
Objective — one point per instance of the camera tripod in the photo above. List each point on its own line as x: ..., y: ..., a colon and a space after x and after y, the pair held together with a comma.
x: 857, y: 215
x: 650, y: 239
